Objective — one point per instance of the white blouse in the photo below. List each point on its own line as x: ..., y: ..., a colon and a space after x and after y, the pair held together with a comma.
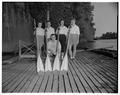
x: 75, y: 30
x: 40, y: 31
x: 63, y: 30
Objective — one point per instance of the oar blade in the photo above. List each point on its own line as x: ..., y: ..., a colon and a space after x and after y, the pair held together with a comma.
x: 56, y: 65
x: 65, y: 63
x: 48, y: 66
x: 40, y: 66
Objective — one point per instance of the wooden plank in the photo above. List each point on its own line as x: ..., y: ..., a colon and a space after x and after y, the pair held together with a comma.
x: 72, y: 81
x: 28, y: 76
x: 32, y: 84
x: 26, y: 85
x: 61, y: 83
x: 108, y: 79
x: 39, y: 82
x: 84, y: 82
x: 106, y: 63
x: 10, y: 72
x: 50, y: 83
x: 10, y: 81
x: 103, y: 67
x: 93, y: 80
x: 67, y: 83
x: 44, y: 82
x: 97, y: 76
x: 5, y: 71
x: 13, y: 71
x: 55, y: 81
x: 87, y: 78
x: 107, y: 67
x: 16, y: 81
x: 77, y: 80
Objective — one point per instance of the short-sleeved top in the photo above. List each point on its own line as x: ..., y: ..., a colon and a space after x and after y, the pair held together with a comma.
x: 63, y: 30
x: 50, y: 31
x: 51, y: 46
x: 40, y: 31
x: 75, y: 30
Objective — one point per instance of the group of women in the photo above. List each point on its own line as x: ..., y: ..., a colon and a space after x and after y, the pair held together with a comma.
x: 58, y: 41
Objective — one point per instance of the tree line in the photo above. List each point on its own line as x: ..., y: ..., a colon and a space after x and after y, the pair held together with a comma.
x: 108, y: 35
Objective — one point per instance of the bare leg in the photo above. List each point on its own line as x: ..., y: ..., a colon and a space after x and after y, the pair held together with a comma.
x: 74, y: 50
x: 70, y: 50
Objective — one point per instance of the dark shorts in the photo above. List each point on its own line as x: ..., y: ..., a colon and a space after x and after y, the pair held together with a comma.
x: 62, y: 39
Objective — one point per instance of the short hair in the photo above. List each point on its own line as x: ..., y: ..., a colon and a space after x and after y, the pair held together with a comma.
x: 48, y: 21
x: 73, y: 18
x: 53, y: 35
x: 61, y: 20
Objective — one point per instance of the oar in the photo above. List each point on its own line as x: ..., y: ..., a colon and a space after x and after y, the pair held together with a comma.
x: 47, y: 61
x: 40, y: 66
x: 64, y: 65
x: 48, y: 64
x: 56, y: 64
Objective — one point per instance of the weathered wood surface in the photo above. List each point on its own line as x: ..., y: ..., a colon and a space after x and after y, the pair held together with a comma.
x: 88, y: 73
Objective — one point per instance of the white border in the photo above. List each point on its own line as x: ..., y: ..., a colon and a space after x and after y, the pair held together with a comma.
x: 51, y: 1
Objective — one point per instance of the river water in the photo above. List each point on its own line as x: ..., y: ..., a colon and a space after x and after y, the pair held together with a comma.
x: 109, y: 44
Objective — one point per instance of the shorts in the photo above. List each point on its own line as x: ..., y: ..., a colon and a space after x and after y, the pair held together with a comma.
x: 73, y: 39
x: 62, y: 39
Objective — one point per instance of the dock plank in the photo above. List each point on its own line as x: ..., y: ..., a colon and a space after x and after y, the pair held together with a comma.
x: 84, y: 82
x: 49, y: 84
x: 72, y: 81
x: 17, y: 81
x: 32, y: 84
x: 24, y: 81
x: 61, y: 83
x: 67, y: 83
x: 78, y: 81
x: 55, y: 81
x: 103, y: 74
x: 97, y: 76
x: 95, y: 82
x: 87, y: 78
x: 13, y: 80
x: 39, y: 82
x: 44, y: 82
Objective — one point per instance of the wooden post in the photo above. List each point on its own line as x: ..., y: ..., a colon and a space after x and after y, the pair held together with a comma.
x: 48, y: 12
x: 19, y: 49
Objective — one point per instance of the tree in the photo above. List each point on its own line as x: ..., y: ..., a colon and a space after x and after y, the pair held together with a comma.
x: 66, y: 10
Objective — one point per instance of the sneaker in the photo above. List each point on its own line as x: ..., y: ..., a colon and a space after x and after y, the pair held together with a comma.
x: 71, y: 57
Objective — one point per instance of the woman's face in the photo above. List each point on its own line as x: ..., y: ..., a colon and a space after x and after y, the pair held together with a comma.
x: 62, y: 23
x: 48, y: 24
x: 39, y: 24
x: 73, y: 22
x: 53, y: 37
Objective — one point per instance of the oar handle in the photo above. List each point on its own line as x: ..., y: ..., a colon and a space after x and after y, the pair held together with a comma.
x: 57, y: 39
x: 68, y: 38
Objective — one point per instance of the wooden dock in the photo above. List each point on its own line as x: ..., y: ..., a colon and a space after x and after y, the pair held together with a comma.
x: 88, y: 73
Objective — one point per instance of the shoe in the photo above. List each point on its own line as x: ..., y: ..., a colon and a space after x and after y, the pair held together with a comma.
x: 71, y: 57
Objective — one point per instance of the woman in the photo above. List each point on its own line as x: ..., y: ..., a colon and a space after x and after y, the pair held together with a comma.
x: 73, y: 38
x: 62, y: 31
x: 39, y: 37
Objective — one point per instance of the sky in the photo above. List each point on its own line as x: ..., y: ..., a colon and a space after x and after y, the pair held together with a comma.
x: 105, y: 17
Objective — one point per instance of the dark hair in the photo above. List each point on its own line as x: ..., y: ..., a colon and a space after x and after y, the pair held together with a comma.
x: 48, y: 21
x: 73, y: 18
x: 53, y: 35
